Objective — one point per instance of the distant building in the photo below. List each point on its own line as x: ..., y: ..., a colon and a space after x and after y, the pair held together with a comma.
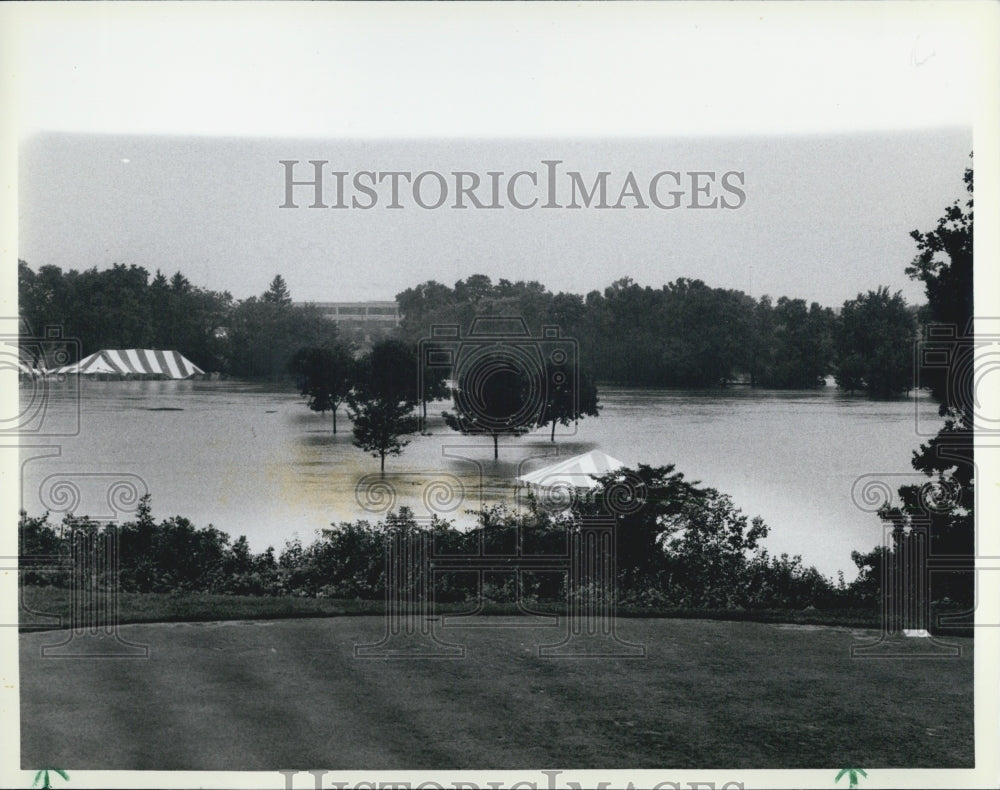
x: 364, y: 322
x: 368, y: 313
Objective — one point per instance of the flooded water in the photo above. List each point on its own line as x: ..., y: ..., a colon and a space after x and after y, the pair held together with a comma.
x: 253, y: 460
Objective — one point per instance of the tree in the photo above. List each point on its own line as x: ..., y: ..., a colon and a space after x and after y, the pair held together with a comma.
x: 944, y: 265
x: 494, y: 396
x: 707, y: 547
x: 324, y: 376
x: 378, y: 425
x: 264, y: 334
x: 277, y: 293
x: 874, y: 340
x: 648, y: 504
x: 433, y: 378
x: 570, y: 395
x: 795, y: 346
x: 383, y: 399
x: 389, y: 371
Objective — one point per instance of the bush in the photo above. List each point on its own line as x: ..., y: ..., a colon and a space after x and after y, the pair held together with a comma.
x: 691, y: 548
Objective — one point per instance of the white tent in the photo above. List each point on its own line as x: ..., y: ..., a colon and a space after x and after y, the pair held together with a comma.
x: 133, y: 362
x: 572, y: 473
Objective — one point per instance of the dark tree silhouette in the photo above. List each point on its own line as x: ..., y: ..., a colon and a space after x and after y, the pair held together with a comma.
x: 389, y: 371
x: 944, y: 266
x: 494, y: 397
x: 383, y: 399
x: 874, y: 340
x: 324, y: 376
x: 277, y: 292
x: 570, y: 395
x: 378, y: 425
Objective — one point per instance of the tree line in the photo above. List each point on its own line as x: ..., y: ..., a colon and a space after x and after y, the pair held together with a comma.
x: 683, y: 334
x: 123, y: 307
x: 688, y: 334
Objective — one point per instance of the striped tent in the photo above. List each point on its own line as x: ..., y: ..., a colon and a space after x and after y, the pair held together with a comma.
x: 133, y: 362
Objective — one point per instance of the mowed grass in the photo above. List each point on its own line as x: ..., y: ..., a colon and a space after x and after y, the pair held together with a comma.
x: 262, y: 695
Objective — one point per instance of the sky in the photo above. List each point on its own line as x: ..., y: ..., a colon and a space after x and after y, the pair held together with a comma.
x: 824, y: 216
x: 152, y: 135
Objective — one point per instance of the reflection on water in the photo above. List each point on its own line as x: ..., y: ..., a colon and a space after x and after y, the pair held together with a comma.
x: 254, y: 460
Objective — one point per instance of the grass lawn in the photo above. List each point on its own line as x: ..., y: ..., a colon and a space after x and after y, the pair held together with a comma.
x: 268, y: 694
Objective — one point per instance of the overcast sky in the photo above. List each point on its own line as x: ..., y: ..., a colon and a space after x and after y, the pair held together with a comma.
x: 151, y: 134
x: 825, y: 216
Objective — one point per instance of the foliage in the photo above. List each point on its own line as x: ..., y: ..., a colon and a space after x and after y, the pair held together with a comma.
x: 494, y: 397
x: 684, y: 334
x: 383, y: 398
x: 388, y: 372
x: 570, y: 395
x: 265, y: 333
x: 324, y: 376
x: 277, y: 292
x: 648, y: 504
x: 706, y: 549
x: 944, y: 266
x: 687, y: 548
x: 794, y: 344
x: 121, y: 307
x: 875, y: 344
x: 379, y: 424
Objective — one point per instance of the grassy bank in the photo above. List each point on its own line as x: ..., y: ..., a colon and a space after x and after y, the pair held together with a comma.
x: 46, y: 608
x: 266, y: 694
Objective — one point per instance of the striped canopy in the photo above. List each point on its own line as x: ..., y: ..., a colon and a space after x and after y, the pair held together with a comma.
x: 134, y: 362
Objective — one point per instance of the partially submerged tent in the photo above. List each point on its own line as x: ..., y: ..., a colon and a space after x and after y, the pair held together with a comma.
x: 133, y: 362
x: 572, y: 473
x: 24, y: 370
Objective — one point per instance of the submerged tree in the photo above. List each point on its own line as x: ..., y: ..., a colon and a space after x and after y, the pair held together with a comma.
x: 383, y: 399
x: 324, y: 376
x: 874, y: 341
x: 389, y: 371
x: 494, y: 396
x: 379, y: 424
x: 570, y: 395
